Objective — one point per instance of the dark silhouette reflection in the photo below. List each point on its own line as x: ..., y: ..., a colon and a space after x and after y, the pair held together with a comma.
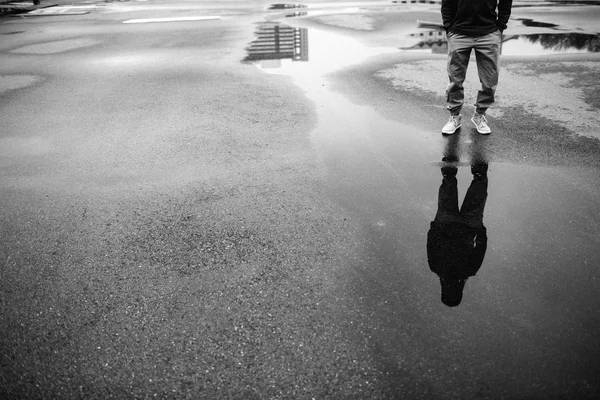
x: 457, y: 239
x: 537, y: 24
x: 566, y: 41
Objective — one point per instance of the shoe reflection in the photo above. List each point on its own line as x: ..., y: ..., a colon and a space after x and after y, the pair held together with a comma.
x: 457, y: 239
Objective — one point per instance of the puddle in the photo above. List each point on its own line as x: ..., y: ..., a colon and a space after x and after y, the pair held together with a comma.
x: 345, y: 130
x: 548, y: 43
x: 364, y: 156
x: 309, y: 55
x: 305, y: 55
x: 288, y: 48
x: 434, y: 41
x: 377, y: 169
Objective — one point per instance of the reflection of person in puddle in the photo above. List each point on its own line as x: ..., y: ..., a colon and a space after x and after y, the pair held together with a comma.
x: 457, y: 240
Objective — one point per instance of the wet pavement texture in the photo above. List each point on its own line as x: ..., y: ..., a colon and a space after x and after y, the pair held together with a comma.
x: 245, y: 208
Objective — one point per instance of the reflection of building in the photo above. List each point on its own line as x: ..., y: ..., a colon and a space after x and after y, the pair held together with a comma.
x: 431, y: 40
x: 276, y: 42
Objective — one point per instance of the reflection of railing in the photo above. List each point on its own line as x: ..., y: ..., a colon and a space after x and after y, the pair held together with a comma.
x: 275, y: 42
x: 285, y: 6
x: 296, y: 14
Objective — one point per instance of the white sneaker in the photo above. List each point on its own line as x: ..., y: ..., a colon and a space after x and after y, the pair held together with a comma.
x: 481, y: 124
x: 452, y: 125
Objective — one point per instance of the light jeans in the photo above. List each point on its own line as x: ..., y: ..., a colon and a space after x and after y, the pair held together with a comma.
x: 487, y: 54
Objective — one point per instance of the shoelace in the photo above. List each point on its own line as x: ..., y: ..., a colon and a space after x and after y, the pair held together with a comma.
x: 480, y: 120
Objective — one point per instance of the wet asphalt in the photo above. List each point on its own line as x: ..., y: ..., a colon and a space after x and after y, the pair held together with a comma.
x: 177, y: 223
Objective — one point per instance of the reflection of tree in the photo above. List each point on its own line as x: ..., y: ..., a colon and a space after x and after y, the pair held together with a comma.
x: 565, y: 41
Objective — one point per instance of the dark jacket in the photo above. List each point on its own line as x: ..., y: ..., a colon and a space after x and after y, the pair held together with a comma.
x: 455, y: 250
x: 475, y: 17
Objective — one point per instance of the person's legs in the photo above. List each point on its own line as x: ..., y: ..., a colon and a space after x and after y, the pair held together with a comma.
x: 487, y: 55
x: 448, y: 196
x: 471, y: 211
x: 459, y: 52
x: 478, y: 149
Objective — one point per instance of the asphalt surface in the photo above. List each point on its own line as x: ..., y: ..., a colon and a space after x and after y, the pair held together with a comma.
x: 177, y: 223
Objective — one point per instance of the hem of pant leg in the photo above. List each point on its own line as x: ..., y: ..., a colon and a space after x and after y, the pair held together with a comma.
x: 455, y: 112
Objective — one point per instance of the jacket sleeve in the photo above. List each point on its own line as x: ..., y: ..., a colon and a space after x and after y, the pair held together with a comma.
x: 449, y: 8
x: 433, y: 250
x: 478, y: 252
x: 504, y: 8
